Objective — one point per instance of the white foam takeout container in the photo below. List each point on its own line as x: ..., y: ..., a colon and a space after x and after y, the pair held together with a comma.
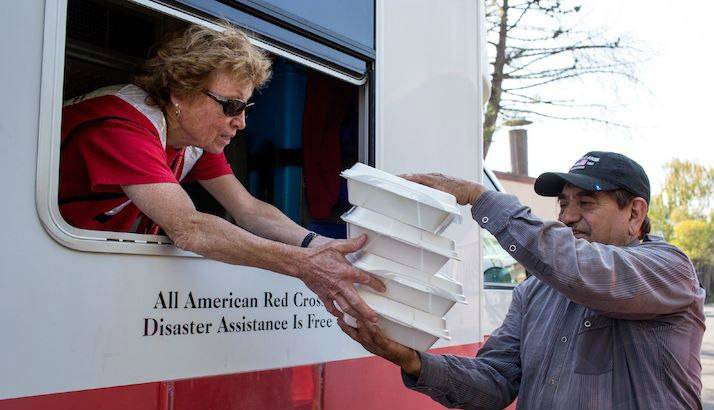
x: 400, y: 242
x: 406, y: 201
x: 404, y: 324
x: 433, y: 294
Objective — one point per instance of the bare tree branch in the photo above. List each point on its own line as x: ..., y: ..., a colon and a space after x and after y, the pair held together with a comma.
x: 565, y: 103
x: 538, y: 44
x: 531, y: 99
x: 532, y: 52
x: 568, y: 118
x: 558, y: 72
x: 523, y: 13
x: 578, y: 74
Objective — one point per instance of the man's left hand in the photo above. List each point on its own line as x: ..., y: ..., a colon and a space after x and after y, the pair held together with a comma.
x: 371, y: 338
x: 466, y: 192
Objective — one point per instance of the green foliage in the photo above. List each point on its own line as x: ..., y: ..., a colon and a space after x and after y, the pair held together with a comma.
x: 688, y: 189
x: 682, y: 212
x: 696, y: 238
x: 659, y: 218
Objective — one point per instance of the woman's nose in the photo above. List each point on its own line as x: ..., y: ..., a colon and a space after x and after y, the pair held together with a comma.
x: 238, y: 121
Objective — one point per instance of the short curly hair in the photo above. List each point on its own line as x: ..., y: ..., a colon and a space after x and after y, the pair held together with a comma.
x: 184, y: 60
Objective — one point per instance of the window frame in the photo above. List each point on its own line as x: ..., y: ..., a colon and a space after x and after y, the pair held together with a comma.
x: 490, y: 177
x: 49, y: 128
x: 301, y: 23
x: 267, y: 19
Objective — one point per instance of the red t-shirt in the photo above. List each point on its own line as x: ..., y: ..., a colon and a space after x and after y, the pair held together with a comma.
x: 107, y: 143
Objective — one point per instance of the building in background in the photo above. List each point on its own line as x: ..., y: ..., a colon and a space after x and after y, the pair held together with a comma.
x: 522, y: 187
x: 517, y: 182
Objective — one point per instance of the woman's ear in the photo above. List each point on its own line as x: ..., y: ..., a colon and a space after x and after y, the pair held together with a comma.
x: 638, y: 212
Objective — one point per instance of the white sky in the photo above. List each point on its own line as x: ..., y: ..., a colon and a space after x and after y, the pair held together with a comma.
x: 669, y: 115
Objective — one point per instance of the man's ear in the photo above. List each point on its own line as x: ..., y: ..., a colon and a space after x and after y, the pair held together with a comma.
x: 638, y: 212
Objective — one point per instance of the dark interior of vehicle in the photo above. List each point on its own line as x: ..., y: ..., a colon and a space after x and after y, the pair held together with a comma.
x: 302, y: 132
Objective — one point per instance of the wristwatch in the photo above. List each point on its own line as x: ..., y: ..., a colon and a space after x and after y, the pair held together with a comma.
x: 308, y: 238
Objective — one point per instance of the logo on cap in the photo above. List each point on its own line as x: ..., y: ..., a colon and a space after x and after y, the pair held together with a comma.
x: 585, y: 161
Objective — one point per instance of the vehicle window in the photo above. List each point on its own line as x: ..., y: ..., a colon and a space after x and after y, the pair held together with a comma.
x: 488, y: 183
x: 500, y: 270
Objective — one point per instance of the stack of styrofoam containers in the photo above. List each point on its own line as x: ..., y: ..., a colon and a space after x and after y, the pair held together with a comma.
x: 402, y: 221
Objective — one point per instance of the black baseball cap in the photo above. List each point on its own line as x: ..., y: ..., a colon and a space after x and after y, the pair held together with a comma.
x: 598, y: 171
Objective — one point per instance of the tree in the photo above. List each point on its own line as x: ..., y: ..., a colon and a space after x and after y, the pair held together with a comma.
x: 686, y: 194
x: 696, y: 238
x: 536, y: 45
x: 683, y: 212
x: 688, y: 187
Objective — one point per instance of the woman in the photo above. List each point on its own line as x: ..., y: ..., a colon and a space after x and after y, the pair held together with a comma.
x: 126, y: 148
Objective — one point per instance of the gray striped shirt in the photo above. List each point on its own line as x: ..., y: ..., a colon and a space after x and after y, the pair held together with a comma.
x: 596, y: 327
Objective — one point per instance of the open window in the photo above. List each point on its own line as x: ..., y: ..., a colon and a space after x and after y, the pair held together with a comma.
x: 310, y: 121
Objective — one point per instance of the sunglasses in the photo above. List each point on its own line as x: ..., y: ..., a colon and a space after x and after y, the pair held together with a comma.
x: 232, y: 107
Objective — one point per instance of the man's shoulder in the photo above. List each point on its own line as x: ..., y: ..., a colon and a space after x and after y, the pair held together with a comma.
x: 661, y: 256
x: 657, y: 244
x: 655, y: 240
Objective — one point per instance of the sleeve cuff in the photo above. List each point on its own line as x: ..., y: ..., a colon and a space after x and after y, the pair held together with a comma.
x: 434, y: 373
x: 493, y: 209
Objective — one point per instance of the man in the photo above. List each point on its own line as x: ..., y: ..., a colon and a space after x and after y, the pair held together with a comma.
x: 611, y: 318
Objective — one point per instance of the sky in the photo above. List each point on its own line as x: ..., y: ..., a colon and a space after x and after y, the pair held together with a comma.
x: 670, y: 114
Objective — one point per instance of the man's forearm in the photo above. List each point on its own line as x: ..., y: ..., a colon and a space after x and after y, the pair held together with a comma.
x: 489, y: 381
x: 412, y: 365
x: 633, y: 282
x: 462, y: 382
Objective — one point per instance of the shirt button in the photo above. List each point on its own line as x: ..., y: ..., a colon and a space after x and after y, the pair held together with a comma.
x: 587, y: 323
x: 563, y: 339
x: 552, y: 382
x: 484, y: 219
x: 512, y: 248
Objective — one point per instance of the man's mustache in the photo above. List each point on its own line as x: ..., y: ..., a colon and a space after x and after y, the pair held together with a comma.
x: 580, y: 228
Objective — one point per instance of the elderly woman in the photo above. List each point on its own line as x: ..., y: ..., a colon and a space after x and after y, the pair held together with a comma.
x: 126, y: 148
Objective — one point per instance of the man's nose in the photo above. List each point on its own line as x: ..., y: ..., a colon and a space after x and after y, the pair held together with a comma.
x: 238, y: 122
x: 569, y: 215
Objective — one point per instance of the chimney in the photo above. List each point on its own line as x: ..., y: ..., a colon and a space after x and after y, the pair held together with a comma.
x: 519, y: 151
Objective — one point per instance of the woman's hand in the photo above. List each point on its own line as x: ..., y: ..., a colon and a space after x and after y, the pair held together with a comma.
x: 374, y: 341
x: 466, y: 192
x: 326, y: 271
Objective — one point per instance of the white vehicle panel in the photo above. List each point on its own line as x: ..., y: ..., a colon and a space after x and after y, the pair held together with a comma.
x: 74, y: 320
x: 429, y: 90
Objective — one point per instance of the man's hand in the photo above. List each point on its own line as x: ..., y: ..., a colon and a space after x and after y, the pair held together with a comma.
x: 466, y: 192
x: 327, y: 272
x: 372, y: 339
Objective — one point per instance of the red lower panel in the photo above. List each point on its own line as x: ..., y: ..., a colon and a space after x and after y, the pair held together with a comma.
x: 375, y: 384
x: 137, y: 397
x: 360, y: 384
x: 291, y: 388
x: 296, y: 388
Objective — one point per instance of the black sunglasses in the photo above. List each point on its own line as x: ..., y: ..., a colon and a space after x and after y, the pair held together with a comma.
x: 232, y: 107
